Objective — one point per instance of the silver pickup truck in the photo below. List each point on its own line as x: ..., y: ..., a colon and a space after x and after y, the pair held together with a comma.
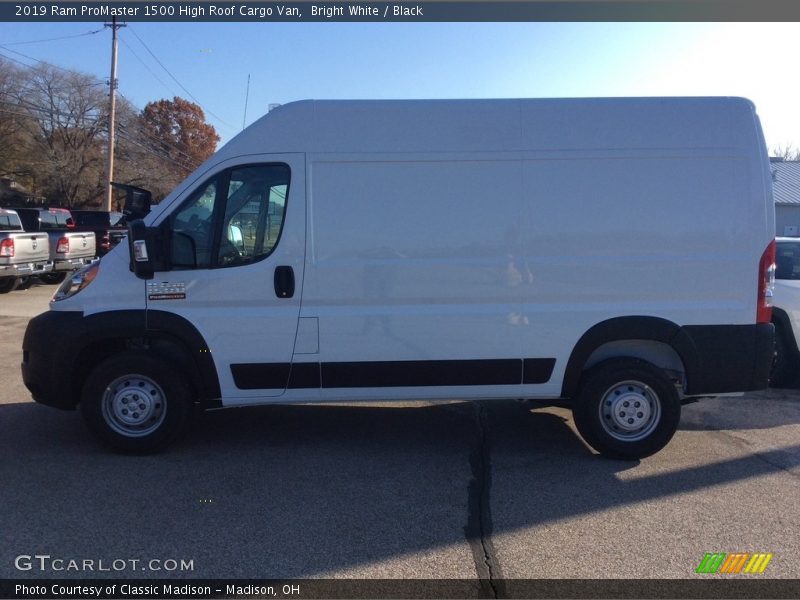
x: 22, y: 254
x: 69, y: 250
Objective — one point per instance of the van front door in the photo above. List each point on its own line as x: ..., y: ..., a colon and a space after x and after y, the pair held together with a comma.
x: 238, y: 245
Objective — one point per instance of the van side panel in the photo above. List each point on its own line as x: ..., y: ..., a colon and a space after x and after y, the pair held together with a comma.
x: 416, y: 260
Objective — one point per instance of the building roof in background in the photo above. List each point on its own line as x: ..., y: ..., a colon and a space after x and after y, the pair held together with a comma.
x: 785, y: 181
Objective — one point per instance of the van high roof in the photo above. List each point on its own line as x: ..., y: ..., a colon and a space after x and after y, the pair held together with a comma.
x: 496, y: 125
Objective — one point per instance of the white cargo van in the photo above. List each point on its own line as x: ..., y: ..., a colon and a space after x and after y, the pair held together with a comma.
x: 617, y: 253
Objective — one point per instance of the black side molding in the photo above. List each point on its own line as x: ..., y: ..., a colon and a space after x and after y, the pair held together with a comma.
x: 410, y: 373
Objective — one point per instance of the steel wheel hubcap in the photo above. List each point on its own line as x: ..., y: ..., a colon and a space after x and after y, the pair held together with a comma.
x: 134, y: 405
x: 630, y: 411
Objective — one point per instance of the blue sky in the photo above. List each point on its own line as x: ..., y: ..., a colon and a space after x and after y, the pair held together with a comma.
x: 430, y: 60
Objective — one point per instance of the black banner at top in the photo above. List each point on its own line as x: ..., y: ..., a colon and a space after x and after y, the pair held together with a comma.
x: 405, y: 11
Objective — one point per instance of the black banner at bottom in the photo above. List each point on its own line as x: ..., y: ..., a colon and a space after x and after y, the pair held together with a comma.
x: 147, y: 589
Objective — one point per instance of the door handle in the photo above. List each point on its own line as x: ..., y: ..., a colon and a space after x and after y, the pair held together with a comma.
x: 284, y: 282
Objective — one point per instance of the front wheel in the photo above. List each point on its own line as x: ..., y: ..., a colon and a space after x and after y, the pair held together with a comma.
x: 135, y: 403
x: 627, y: 408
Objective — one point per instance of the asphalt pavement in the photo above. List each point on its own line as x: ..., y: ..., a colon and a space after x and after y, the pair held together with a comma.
x: 497, y: 490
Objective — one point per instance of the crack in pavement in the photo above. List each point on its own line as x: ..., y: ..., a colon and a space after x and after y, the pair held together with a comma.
x: 758, y: 452
x: 478, y: 529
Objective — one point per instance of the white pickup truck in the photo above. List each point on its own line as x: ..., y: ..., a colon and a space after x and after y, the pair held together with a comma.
x: 22, y: 254
x: 69, y: 249
x: 786, y: 312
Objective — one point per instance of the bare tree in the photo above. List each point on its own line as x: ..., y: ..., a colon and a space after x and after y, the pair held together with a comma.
x: 54, y: 135
x: 67, y: 126
x: 787, y: 152
x: 11, y: 118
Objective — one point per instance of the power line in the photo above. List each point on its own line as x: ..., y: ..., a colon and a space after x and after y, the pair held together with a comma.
x: 64, y: 37
x: 19, y: 62
x: 124, y: 135
x: 90, y: 119
x: 3, y: 46
x: 178, y: 82
x: 160, y: 145
x: 166, y: 143
x: 144, y: 64
x: 58, y: 89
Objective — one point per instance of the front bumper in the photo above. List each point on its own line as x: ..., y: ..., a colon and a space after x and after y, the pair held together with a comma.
x: 48, y: 357
x: 61, y: 347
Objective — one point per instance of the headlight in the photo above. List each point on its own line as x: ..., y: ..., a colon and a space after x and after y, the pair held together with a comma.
x: 77, y: 281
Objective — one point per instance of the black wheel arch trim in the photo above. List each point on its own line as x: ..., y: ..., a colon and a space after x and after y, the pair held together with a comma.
x: 60, y: 347
x: 181, y: 330
x: 624, y: 328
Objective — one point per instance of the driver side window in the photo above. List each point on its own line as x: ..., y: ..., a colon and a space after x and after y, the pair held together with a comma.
x: 235, y: 218
x: 192, y: 229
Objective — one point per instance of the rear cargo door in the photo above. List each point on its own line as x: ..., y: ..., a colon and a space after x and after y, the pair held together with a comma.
x: 238, y: 248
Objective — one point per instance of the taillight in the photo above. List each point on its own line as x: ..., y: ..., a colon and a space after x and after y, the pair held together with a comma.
x: 766, y: 284
x: 63, y: 246
x: 7, y: 248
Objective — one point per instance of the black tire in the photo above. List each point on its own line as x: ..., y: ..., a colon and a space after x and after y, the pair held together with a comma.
x: 25, y: 282
x: 8, y: 284
x: 53, y: 278
x: 612, y: 387
x: 785, y: 368
x: 163, y: 403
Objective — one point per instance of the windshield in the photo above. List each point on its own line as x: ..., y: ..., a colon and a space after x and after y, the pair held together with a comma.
x: 787, y: 260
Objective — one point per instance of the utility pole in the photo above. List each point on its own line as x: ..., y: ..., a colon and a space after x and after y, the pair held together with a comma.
x: 112, y: 110
x: 246, y: 98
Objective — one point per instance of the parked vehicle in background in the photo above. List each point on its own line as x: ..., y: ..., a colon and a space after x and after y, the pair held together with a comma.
x: 69, y: 249
x: 786, y: 312
x: 22, y: 254
x: 108, y: 227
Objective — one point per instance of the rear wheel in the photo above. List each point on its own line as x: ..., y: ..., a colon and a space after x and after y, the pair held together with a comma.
x: 785, y: 368
x: 627, y: 408
x: 8, y: 284
x: 53, y: 278
x: 135, y: 403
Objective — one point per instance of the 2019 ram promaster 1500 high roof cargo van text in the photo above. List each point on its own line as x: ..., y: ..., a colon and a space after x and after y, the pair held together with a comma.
x: 617, y: 253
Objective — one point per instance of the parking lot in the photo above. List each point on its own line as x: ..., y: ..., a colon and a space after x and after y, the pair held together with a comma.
x: 496, y: 490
